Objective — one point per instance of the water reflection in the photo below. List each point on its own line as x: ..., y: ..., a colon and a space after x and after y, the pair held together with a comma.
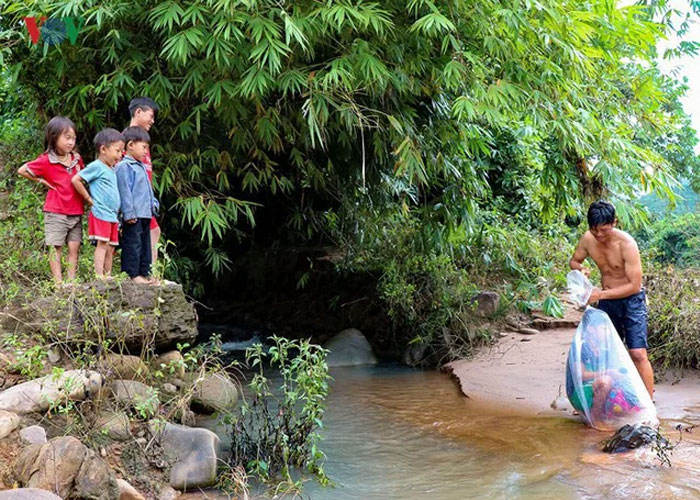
x: 394, y: 433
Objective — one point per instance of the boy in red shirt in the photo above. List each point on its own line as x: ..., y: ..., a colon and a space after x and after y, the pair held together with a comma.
x: 63, y: 208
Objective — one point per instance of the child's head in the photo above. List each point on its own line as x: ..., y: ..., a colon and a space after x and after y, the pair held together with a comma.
x: 137, y: 140
x: 60, y: 136
x: 143, y: 112
x: 109, y: 145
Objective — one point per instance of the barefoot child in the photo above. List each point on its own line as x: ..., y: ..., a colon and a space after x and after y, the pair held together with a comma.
x: 138, y: 206
x: 143, y: 114
x: 63, y: 209
x: 103, y: 198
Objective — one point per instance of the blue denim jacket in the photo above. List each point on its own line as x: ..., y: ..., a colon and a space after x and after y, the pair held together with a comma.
x: 135, y: 190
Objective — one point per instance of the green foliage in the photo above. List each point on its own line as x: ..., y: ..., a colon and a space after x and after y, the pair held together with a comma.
x: 674, y: 317
x: 435, y: 108
x: 277, y: 430
x: 674, y: 239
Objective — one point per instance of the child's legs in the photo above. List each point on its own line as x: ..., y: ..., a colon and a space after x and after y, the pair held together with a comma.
x: 55, y: 252
x: 74, y: 225
x: 73, y: 252
x: 100, y: 257
x: 155, y: 236
x: 109, y: 256
x: 131, y: 248
x: 145, y: 255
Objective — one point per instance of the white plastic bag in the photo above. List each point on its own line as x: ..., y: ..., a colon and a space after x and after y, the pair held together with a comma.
x: 602, y: 382
x: 579, y: 286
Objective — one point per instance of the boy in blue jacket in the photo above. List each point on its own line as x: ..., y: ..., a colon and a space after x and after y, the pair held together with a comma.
x: 138, y: 205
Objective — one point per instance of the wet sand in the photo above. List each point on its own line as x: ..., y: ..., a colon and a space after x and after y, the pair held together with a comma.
x: 527, y: 373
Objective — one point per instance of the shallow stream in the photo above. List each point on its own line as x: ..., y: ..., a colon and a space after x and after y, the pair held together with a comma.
x: 395, y: 433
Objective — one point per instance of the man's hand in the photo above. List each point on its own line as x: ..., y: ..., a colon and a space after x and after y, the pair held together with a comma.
x: 596, y: 295
x: 46, y: 183
x: 131, y: 221
x: 89, y: 202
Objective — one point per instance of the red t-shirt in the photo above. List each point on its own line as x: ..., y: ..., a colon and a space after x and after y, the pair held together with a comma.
x: 64, y: 199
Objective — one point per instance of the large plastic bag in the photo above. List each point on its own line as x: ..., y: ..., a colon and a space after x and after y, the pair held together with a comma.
x: 602, y: 382
x: 579, y: 286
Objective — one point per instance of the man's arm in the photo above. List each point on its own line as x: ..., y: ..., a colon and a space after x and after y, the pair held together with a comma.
x: 580, y: 254
x: 633, y: 271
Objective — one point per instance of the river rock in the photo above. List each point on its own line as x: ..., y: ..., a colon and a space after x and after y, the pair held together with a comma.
x: 123, y: 366
x: 134, y: 394
x: 138, y: 314
x: 487, y: 303
x: 629, y: 437
x: 168, y: 493
x: 528, y: 331
x: 214, y: 392
x: 37, y: 395
x: 8, y: 422
x: 128, y: 492
x: 34, y: 434
x: 115, y: 424
x: 28, y: 494
x: 194, y: 453
x: 349, y: 348
x: 171, y: 362
x: 65, y: 466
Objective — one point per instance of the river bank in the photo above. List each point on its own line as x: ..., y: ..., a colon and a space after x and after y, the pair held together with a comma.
x: 526, y: 373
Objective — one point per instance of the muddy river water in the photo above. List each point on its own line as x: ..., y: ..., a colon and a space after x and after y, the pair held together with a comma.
x: 395, y: 433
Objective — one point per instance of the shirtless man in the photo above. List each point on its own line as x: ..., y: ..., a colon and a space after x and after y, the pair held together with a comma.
x: 622, y: 297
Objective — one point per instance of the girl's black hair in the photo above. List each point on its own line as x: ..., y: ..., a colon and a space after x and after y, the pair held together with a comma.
x: 56, y: 126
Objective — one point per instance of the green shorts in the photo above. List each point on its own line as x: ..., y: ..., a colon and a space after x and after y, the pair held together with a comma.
x: 587, y: 394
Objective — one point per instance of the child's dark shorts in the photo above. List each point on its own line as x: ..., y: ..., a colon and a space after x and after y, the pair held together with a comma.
x: 629, y: 315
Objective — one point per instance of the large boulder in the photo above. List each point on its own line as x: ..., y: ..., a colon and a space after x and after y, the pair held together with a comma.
x: 34, y: 434
x: 134, y: 314
x: 193, y: 452
x: 8, y: 422
x: 487, y: 303
x: 349, y: 348
x: 28, y: 494
x: 39, y: 394
x: 67, y: 467
x: 214, y: 392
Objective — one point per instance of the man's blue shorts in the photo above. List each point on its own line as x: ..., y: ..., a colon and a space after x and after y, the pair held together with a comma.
x: 629, y: 315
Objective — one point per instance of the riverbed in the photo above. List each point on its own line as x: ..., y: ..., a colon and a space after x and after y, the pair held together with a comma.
x: 392, y: 432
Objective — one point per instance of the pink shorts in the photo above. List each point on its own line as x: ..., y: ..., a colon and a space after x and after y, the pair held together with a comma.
x: 101, y: 230
x: 154, y: 223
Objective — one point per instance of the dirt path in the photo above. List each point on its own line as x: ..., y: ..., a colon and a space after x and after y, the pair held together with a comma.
x: 527, y: 373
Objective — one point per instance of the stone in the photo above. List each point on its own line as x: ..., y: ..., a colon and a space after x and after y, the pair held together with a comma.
x: 34, y: 434
x: 116, y: 425
x: 214, y: 392
x: 123, y: 366
x: 168, y: 493
x: 128, y: 492
x: 216, y: 424
x: 419, y: 354
x: 171, y: 363
x: 562, y: 403
x: 503, y: 334
x: 169, y: 388
x: 349, y: 348
x: 139, y: 314
x: 487, y: 303
x: 28, y: 494
x: 67, y: 467
x: 528, y: 331
x: 37, y: 395
x: 135, y: 395
x: 193, y: 451
x: 8, y: 422
x: 54, y: 355
x: 629, y: 437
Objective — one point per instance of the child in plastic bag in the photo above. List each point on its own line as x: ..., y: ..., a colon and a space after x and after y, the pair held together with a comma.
x: 601, y: 380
